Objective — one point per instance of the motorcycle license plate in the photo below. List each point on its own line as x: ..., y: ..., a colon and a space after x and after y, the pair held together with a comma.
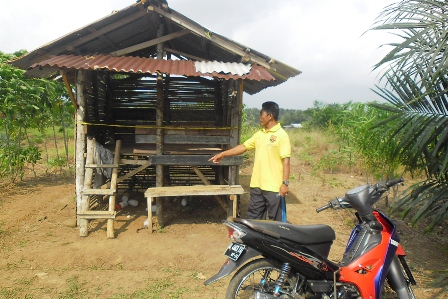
x: 234, y: 251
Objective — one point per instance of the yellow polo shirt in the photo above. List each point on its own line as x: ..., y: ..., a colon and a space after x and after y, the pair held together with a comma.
x: 271, y: 146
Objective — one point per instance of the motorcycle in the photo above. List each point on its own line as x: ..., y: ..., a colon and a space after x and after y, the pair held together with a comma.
x: 282, y: 260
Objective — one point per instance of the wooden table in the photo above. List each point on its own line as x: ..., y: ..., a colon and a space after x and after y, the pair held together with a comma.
x: 231, y: 190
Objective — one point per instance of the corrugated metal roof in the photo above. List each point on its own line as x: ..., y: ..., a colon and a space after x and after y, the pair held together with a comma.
x: 137, y: 25
x: 128, y: 64
x: 222, y: 67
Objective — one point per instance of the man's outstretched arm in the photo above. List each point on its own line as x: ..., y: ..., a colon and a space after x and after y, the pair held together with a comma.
x: 234, y: 151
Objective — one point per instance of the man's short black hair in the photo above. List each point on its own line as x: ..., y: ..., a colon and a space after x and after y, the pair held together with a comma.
x: 271, y: 108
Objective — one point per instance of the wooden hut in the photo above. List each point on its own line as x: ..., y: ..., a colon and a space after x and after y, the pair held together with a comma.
x: 162, y: 94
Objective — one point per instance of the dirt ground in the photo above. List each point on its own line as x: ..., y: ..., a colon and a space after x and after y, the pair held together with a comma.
x: 43, y: 256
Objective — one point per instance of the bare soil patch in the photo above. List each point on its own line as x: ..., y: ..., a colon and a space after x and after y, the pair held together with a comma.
x: 42, y: 256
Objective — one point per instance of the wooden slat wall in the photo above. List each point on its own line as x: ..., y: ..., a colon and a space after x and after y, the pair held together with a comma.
x: 197, y: 107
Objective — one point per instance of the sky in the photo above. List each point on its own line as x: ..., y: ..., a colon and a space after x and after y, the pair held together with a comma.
x: 327, y: 40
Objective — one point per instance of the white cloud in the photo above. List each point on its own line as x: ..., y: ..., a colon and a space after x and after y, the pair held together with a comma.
x: 322, y: 38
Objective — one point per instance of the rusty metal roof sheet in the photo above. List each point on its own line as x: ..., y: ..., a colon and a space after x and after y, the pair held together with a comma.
x: 129, y: 64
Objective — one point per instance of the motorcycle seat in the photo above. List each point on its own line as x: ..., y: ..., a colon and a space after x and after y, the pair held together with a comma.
x: 302, y: 234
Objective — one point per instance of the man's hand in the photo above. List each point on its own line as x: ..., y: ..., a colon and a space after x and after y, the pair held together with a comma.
x: 284, y: 190
x: 216, y: 158
x: 237, y: 150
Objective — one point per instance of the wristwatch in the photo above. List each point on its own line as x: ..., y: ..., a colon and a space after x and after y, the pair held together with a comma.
x: 286, y: 182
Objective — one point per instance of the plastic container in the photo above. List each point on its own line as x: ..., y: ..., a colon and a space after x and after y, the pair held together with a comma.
x: 121, y: 205
x: 124, y: 198
x: 133, y: 202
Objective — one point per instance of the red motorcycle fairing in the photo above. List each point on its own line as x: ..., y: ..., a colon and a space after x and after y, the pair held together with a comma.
x: 400, y: 251
x: 368, y: 272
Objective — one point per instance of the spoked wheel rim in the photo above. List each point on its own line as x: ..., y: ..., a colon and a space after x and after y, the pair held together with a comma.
x: 263, y: 280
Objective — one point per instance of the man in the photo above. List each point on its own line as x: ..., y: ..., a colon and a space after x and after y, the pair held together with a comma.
x: 270, y: 174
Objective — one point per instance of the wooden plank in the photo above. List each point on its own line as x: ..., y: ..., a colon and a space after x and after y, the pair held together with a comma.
x: 192, y: 160
x: 106, y: 29
x: 157, y: 192
x: 186, y: 131
x: 194, y: 190
x: 101, y: 165
x: 88, y: 191
x: 96, y: 215
x: 184, y: 139
x: 133, y: 162
x: 189, y: 56
x: 151, y: 43
x: 90, y: 212
x: 149, y: 149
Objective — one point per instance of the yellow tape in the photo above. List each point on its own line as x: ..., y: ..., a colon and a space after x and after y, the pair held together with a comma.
x: 155, y: 127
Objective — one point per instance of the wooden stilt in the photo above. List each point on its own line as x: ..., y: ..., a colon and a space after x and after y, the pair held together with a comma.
x: 88, y: 175
x: 113, y: 185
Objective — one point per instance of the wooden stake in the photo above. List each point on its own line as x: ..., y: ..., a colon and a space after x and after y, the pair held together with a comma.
x: 84, y: 230
x: 113, y: 185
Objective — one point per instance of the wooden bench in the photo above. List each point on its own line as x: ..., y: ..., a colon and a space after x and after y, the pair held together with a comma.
x: 231, y: 190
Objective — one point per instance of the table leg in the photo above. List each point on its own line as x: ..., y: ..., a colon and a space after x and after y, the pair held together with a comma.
x: 149, y: 205
x: 234, y: 200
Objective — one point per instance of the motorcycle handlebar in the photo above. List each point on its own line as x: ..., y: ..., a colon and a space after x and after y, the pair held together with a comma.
x: 394, y: 182
x: 381, y: 187
x: 318, y: 210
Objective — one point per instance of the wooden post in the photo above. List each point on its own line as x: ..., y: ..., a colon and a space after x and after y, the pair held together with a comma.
x: 159, y: 133
x: 235, y: 123
x: 113, y: 184
x: 80, y: 149
x: 235, y: 135
x: 87, y: 182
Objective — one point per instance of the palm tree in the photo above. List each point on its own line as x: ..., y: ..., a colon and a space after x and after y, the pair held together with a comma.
x: 415, y: 84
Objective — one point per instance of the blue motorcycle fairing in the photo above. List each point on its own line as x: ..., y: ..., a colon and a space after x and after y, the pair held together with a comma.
x: 230, y: 266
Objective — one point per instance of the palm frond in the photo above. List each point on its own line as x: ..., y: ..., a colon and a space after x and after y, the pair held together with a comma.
x: 423, y: 28
x: 428, y: 198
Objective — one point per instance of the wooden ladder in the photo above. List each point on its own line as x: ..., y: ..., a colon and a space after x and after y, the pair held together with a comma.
x: 86, y: 214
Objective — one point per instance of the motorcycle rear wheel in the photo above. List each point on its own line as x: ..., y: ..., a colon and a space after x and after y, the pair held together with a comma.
x: 248, y: 279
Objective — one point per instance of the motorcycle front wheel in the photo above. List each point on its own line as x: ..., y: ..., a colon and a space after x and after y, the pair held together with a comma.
x: 398, y: 283
x: 257, y: 276
x: 388, y: 293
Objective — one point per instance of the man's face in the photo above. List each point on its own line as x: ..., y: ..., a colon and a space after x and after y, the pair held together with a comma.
x: 264, y: 118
